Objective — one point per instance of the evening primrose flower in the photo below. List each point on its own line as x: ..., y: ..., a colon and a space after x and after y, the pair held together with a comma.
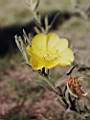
x: 48, y: 51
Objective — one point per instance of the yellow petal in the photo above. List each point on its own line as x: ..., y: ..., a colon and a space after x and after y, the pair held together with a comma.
x: 36, y: 62
x: 51, y: 59
x: 55, y: 46
x: 52, y: 63
x: 28, y: 50
x: 66, y: 57
x: 62, y: 45
x: 55, y: 43
x: 39, y: 44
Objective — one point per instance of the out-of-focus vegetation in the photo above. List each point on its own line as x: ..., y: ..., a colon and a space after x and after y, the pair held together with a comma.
x: 14, y: 11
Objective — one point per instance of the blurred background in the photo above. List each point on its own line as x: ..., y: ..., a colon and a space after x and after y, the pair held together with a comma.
x: 21, y: 97
x: 17, y: 12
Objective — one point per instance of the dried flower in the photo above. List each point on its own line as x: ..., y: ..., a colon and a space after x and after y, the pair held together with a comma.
x: 75, y: 88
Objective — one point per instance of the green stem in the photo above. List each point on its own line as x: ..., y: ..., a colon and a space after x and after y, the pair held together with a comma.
x: 47, y: 80
x: 38, y: 21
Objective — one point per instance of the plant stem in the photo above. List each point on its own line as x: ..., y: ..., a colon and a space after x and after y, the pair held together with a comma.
x: 47, y: 80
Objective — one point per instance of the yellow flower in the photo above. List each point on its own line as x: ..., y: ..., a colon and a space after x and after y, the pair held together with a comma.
x: 49, y: 51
